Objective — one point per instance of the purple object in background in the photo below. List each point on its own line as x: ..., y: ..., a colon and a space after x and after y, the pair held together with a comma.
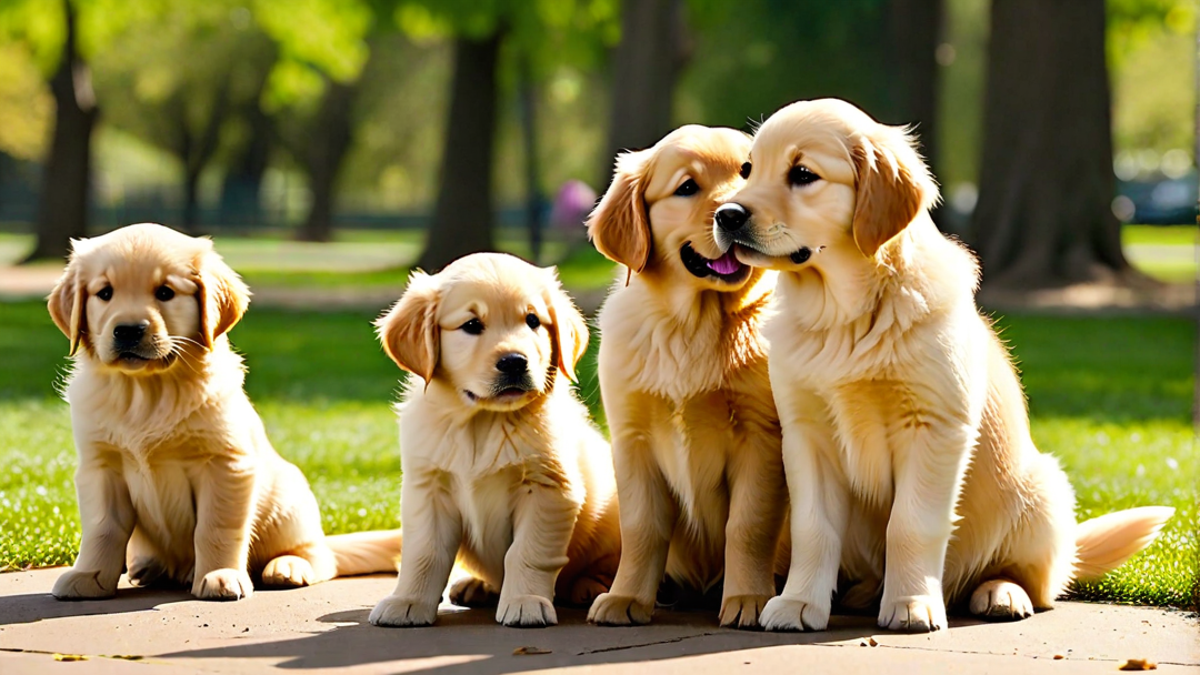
x: 572, y: 205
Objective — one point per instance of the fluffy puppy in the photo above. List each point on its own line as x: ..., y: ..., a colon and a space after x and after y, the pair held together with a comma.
x: 503, y: 469
x: 683, y: 375
x: 176, y: 479
x: 905, y: 431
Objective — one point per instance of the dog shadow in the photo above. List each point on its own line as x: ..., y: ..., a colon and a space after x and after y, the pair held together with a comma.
x: 34, y: 607
x: 469, y: 641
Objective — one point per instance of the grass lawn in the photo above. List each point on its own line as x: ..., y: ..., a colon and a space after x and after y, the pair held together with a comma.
x: 1110, y: 397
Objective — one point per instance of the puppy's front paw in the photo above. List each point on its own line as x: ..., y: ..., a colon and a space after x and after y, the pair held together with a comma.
x: 288, y: 571
x: 1001, y: 600
x: 224, y: 584
x: 403, y: 612
x: 85, y: 585
x: 619, y: 610
x: 792, y: 615
x: 742, y: 611
x: 526, y: 611
x: 472, y: 592
x: 914, y: 614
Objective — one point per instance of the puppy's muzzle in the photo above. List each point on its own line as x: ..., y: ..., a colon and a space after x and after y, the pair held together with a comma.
x: 513, y: 364
x: 732, y: 218
x: 127, y: 337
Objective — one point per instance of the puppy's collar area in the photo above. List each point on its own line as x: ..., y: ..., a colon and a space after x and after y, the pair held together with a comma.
x: 726, y: 268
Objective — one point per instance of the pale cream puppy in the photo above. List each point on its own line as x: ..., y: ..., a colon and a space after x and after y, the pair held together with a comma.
x: 905, y: 430
x: 503, y: 469
x: 176, y: 478
x: 683, y: 375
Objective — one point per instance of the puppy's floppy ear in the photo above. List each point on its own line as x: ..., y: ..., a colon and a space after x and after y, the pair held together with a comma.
x: 68, y: 301
x: 409, y: 331
x: 222, y: 295
x: 894, y: 185
x: 570, y: 333
x: 619, y: 226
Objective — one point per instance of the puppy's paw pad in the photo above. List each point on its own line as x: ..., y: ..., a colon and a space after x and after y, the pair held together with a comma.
x: 288, y: 571
x: 224, y: 584
x: 585, y: 590
x: 913, y: 614
x: 742, y: 611
x: 1001, y: 600
x: 792, y: 615
x: 619, y: 610
x: 472, y: 592
x: 82, y: 585
x: 526, y: 611
x: 403, y: 612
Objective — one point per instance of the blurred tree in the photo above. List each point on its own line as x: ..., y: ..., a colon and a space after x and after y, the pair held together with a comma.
x: 646, y: 63
x: 240, y: 201
x: 915, y: 31
x: 1044, y: 215
x: 63, y: 202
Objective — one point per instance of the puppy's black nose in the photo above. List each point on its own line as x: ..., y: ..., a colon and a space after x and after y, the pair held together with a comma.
x: 732, y: 217
x: 130, y: 333
x: 512, y: 364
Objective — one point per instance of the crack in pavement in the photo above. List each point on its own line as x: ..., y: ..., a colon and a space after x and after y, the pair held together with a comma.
x: 1099, y: 659
x: 682, y: 638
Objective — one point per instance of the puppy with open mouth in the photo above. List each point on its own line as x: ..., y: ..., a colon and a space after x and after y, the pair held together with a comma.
x: 503, y: 469
x: 913, y: 477
x: 177, y: 481
x: 683, y: 375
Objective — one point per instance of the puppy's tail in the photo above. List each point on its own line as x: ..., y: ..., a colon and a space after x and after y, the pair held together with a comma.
x: 1103, y: 544
x: 366, y: 552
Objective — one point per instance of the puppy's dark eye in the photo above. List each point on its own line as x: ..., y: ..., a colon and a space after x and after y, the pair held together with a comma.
x: 164, y: 293
x: 472, y: 327
x: 688, y: 189
x: 532, y: 321
x: 105, y: 293
x: 801, y: 175
x: 745, y: 172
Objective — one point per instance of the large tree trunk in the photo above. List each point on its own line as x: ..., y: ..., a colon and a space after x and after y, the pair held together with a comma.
x: 646, y: 63
x: 243, y: 182
x: 328, y: 144
x: 915, y: 27
x: 533, y: 187
x: 1044, y: 216
x: 462, y: 217
x: 63, y: 204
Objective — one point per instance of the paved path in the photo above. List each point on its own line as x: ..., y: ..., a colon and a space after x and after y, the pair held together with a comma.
x: 324, y: 628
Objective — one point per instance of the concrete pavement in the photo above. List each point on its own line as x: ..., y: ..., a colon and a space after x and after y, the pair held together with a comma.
x: 324, y: 628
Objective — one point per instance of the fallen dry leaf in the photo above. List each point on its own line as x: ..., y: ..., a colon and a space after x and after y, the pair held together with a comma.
x: 530, y: 651
x: 70, y: 657
x: 1137, y: 664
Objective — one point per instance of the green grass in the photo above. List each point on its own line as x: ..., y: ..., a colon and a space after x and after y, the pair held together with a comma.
x: 1110, y: 397
x: 1166, y: 235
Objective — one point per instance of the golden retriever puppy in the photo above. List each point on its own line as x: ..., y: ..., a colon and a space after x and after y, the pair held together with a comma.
x: 905, y: 432
x: 176, y: 479
x: 503, y: 469
x: 683, y: 375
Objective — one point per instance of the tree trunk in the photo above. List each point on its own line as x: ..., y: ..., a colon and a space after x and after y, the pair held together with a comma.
x: 329, y: 142
x: 462, y: 217
x: 915, y: 27
x: 63, y: 204
x: 243, y: 182
x: 1044, y: 216
x: 646, y: 63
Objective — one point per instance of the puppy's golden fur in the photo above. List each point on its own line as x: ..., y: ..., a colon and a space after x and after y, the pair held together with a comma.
x: 176, y: 478
x: 683, y: 375
x: 905, y: 431
x: 503, y: 469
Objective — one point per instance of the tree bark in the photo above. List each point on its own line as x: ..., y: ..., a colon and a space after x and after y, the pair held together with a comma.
x: 1044, y: 215
x: 646, y: 64
x: 462, y: 217
x: 66, y: 183
x: 329, y: 142
x: 915, y: 27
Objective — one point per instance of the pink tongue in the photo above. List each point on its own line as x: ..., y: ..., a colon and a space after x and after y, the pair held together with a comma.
x: 726, y: 264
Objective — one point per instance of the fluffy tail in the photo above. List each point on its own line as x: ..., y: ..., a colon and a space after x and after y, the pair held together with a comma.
x: 1103, y: 544
x: 365, y: 552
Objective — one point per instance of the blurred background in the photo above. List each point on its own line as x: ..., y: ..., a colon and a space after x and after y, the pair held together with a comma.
x: 440, y: 127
